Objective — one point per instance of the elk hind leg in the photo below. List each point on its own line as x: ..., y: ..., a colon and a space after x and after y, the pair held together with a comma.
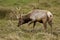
x: 45, y: 24
x: 50, y: 23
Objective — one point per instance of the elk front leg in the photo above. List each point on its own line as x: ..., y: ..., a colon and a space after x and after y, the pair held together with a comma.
x: 30, y: 23
x: 34, y: 24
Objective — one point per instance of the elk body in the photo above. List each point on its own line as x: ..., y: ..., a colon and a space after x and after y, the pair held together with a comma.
x: 41, y: 16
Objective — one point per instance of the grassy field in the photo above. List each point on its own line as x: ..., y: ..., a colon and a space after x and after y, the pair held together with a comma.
x: 8, y: 21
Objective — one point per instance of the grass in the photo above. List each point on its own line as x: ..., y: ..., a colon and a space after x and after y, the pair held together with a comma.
x: 9, y: 29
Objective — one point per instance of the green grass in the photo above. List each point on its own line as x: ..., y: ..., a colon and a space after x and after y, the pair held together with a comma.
x: 9, y: 29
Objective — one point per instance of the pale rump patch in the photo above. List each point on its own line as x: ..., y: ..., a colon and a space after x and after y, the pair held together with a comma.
x: 50, y: 15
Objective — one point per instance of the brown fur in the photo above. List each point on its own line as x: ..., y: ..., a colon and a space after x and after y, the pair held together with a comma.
x: 43, y: 20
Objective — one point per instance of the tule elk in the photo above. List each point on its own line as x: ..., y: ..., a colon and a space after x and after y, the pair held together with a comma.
x: 41, y: 16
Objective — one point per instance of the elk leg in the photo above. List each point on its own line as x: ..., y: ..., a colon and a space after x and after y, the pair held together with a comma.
x: 50, y: 23
x: 45, y: 24
x: 30, y: 23
x: 34, y: 24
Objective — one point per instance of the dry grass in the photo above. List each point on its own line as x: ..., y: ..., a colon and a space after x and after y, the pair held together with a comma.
x: 8, y: 22
x: 10, y: 31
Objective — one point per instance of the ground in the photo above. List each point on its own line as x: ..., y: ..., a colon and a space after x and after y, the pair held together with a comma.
x: 9, y: 29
